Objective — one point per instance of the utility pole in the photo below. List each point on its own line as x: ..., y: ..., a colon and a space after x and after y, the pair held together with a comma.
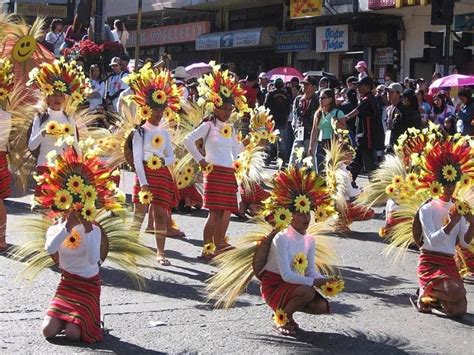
x: 139, y: 25
x: 447, y: 47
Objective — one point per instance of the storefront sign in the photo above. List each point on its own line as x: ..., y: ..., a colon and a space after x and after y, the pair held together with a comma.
x: 464, y: 22
x: 384, y: 56
x: 187, y: 32
x: 305, y: 8
x: 293, y: 41
x: 384, y: 4
x: 252, y: 37
x: 332, y: 38
x: 30, y: 9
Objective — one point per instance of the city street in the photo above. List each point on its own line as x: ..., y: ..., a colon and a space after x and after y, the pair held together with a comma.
x: 171, y: 315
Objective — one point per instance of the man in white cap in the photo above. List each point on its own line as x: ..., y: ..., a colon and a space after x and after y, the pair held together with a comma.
x: 181, y: 75
x: 114, y: 84
x: 395, y: 126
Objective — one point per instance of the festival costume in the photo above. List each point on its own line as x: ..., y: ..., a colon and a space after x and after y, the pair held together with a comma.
x: 5, y: 129
x: 280, y: 257
x: 255, y: 195
x: 77, y: 299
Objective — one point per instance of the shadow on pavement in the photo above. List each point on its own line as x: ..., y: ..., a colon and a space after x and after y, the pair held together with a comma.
x: 357, y: 281
x: 343, y: 309
x: 353, y: 341
x: 110, y: 343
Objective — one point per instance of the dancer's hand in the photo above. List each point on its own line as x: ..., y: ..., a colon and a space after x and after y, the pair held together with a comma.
x: 203, y: 164
x: 454, y: 216
x: 145, y: 188
x: 71, y: 220
x: 321, y: 282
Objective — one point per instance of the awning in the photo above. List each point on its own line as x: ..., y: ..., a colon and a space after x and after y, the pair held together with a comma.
x: 252, y: 37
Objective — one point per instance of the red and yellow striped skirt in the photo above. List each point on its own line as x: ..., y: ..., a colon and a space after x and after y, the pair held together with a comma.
x: 4, y: 176
x: 77, y: 300
x: 434, y: 268
x: 220, y: 189
x: 192, y: 193
x: 162, y: 186
x: 256, y: 194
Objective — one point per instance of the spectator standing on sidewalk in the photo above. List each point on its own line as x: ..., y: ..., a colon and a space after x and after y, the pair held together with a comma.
x: 263, y: 84
x: 279, y: 104
x: 466, y: 113
x: 56, y: 36
x: 114, y: 84
x: 304, y: 108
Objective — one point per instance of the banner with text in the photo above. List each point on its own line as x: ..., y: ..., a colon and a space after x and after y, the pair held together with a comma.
x: 332, y: 39
x: 305, y: 8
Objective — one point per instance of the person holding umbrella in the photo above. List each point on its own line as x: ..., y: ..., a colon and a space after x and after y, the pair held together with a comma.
x: 466, y: 113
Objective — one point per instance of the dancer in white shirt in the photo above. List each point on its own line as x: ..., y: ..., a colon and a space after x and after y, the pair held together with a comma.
x: 157, y: 98
x: 220, y: 93
x: 445, y: 223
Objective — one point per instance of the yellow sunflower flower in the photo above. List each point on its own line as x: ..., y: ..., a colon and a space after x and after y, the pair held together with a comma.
x: 66, y: 129
x: 75, y: 184
x: 3, y: 94
x: 272, y: 138
x: 73, y: 240
x: 320, y: 214
x: 224, y: 90
x: 397, y: 180
x: 436, y: 189
x: 237, y: 165
x: 226, y: 131
x: 282, y: 218
x: 145, y: 197
x: 154, y: 162
x: 331, y: 289
x: 60, y: 86
x: 89, y: 212
x: 88, y: 194
x: 465, y: 180
x: 462, y: 207
x: 382, y: 232
x: 48, y: 90
x: 449, y: 173
x: 53, y: 128
x: 77, y: 97
x: 302, y: 204
x: 159, y: 96
x: 390, y: 190
x: 280, y: 318
x: 157, y: 141
x: 208, y: 169
x: 412, y: 178
x: 209, y: 249
x: 144, y: 112
x: 63, y: 199
x: 300, y: 263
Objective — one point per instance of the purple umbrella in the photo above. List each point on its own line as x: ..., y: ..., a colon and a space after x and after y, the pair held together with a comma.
x: 285, y: 73
x: 198, y: 69
x: 455, y: 80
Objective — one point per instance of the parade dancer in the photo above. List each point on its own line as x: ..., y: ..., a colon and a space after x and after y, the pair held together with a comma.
x: 157, y: 97
x: 286, y: 257
x: 220, y: 93
x: 6, y: 85
x: 444, y: 222
x: 53, y: 130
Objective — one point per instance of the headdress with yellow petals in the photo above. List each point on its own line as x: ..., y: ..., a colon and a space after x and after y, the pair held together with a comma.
x: 297, y: 190
x: 447, y: 162
x: 78, y: 183
x: 218, y: 87
x: 6, y: 79
x: 154, y: 88
x: 59, y: 76
x: 262, y: 126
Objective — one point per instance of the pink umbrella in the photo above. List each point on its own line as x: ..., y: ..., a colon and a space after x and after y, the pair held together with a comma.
x: 455, y: 80
x: 198, y: 69
x: 285, y: 73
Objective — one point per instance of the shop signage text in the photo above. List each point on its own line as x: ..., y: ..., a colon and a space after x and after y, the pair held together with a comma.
x: 293, y: 41
x: 234, y: 39
x: 30, y: 9
x: 305, y: 8
x: 186, y: 32
x: 332, y: 38
x: 384, y: 56
x: 384, y: 4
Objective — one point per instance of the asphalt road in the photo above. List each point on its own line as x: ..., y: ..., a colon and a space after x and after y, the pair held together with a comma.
x: 171, y: 315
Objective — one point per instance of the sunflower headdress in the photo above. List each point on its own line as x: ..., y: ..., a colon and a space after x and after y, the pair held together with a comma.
x: 297, y: 190
x: 218, y: 87
x: 78, y: 183
x: 6, y: 79
x: 447, y: 162
x: 60, y: 76
x: 154, y: 88
x: 262, y: 126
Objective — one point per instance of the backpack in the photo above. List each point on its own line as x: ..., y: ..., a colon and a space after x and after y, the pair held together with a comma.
x: 43, y: 116
x: 128, y: 147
